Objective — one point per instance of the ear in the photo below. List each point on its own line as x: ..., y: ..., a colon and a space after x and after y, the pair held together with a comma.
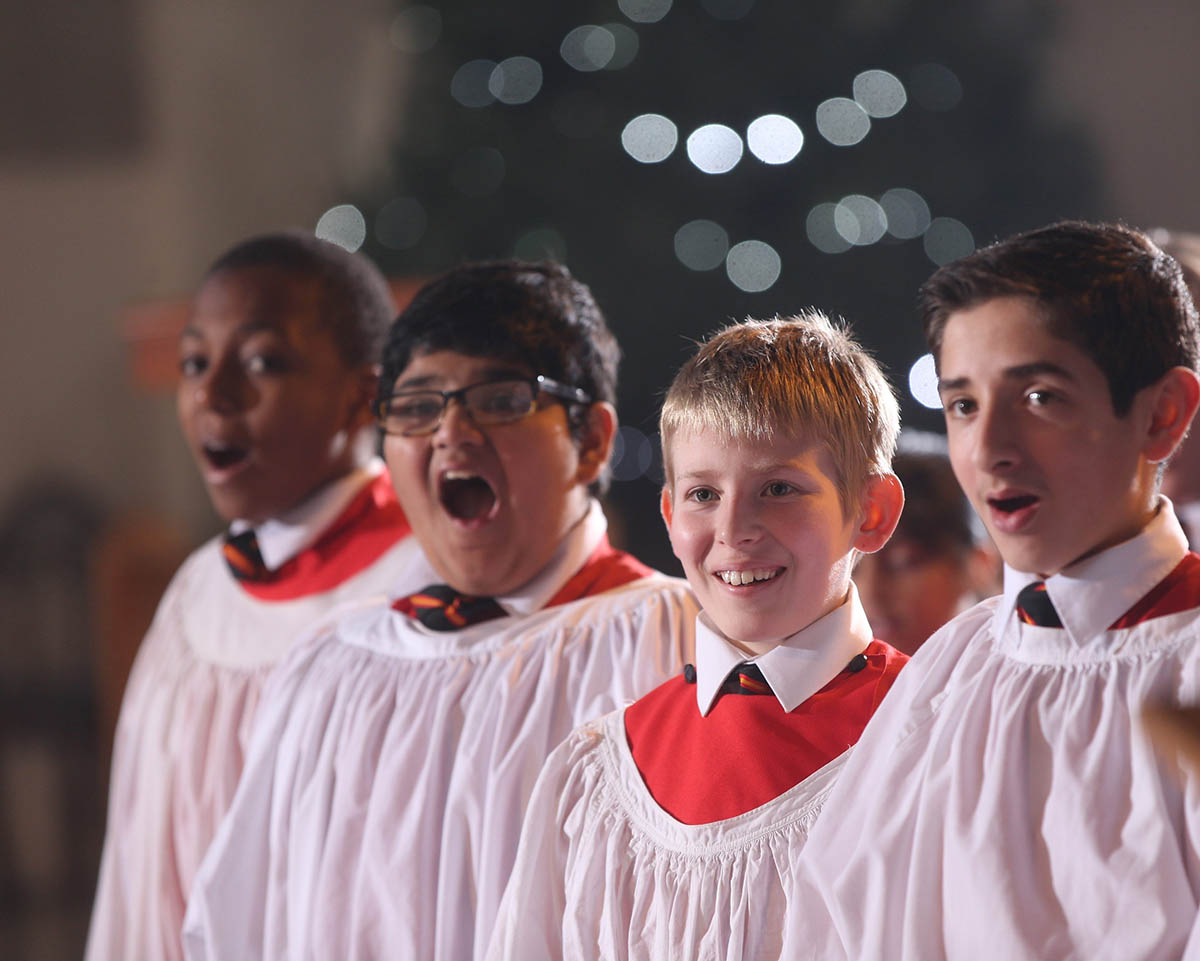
x: 665, y: 507
x: 1176, y: 397
x: 595, y: 448
x: 363, y: 386
x: 879, y: 512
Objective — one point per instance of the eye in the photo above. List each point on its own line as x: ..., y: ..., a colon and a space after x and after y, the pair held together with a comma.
x: 702, y: 495
x: 417, y: 407
x: 959, y: 407
x: 192, y: 365
x: 1040, y: 398
x: 265, y: 362
x: 778, y: 489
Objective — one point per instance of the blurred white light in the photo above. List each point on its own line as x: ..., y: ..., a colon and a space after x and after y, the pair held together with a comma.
x: 842, y: 121
x: 644, y: 11
x: 650, y: 138
x: 478, y: 172
x: 935, y: 87
x: 907, y: 213
x: 923, y: 383
x: 947, y: 239
x: 343, y: 225
x: 516, y: 80
x: 714, y: 148
x: 701, y: 245
x: 400, y: 223
x: 416, y: 29
x: 774, y: 139
x: 879, y: 93
x: 542, y: 243
x: 471, y: 83
x: 626, y: 40
x: 588, y: 48
x: 753, y: 266
x: 822, y: 231
x: 727, y: 9
x: 632, y: 455
x: 860, y: 220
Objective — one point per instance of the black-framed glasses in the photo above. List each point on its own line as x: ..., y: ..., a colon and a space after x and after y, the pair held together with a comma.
x: 412, y: 413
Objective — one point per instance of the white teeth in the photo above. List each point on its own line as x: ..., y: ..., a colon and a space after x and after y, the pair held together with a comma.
x: 737, y: 578
x: 459, y: 475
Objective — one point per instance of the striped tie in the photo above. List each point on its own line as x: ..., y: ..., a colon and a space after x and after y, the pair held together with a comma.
x: 243, y: 557
x: 747, y: 679
x: 441, y: 608
x: 1035, y: 607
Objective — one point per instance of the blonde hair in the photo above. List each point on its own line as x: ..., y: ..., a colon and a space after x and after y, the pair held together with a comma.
x: 798, y: 375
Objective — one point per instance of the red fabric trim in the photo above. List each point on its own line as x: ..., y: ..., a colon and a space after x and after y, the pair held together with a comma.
x: 1177, y: 592
x: 748, y: 751
x: 371, y: 524
x: 606, y: 569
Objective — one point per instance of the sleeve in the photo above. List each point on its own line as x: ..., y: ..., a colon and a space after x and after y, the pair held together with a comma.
x: 530, y: 920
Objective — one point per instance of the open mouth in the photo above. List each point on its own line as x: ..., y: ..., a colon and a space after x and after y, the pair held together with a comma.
x: 738, y: 578
x: 467, y: 496
x: 1010, y: 505
x: 222, y: 457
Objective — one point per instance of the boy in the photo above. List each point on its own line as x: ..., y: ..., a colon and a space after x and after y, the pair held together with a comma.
x: 666, y: 830
x: 938, y: 563
x: 1003, y: 803
x: 278, y: 365
x: 382, y: 801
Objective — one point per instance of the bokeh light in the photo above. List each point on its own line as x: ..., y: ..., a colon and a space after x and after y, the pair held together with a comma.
x: 588, y: 48
x: 822, y: 230
x: 714, y: 148
x: 470, y: 85
x: 343, y: 225
x: 923, y: 383
x: 650, y: 138
x: 626, y: 40
x: 947, y: 239
x: 541, y: 243
x: 842, y: 121
x: 644, y: 11
x: 515, y: 80
x: 774, y: 139
x: 879, y: 93
x: 478, y: 172
x: 633, y: 454
x: 935, y: 87
x: 907, y: 213
x: 400, y: 223
x: 860, y: 220
x: 753, y: 266
x: 416, y: 29
x: 701, y: 245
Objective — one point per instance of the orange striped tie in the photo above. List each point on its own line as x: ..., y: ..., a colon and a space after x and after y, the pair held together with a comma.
x: 747, y: 679
x: 1035, y: 607
x: 441, y: 608
x: 243, y: 557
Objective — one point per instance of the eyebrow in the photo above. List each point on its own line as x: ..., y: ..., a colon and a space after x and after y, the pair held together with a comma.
x: 1019, y: 372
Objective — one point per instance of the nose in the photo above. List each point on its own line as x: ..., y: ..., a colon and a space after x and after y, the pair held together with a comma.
x: 996, y: 447
x: 739, y: 523
x: 222, y: 388
x: 456, y: 426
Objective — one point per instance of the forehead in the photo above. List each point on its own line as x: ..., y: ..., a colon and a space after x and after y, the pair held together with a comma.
x: 707, y: 450
x: 1007, y: 337
x: 249, y: 299
x: 450, y: 368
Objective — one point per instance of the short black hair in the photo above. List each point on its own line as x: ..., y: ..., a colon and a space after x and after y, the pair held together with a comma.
x: 1105, y: 288
x: 355, y: 299
x: 531, y: 313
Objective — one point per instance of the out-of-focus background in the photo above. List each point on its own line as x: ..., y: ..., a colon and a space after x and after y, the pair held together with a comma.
x: 695, y: 161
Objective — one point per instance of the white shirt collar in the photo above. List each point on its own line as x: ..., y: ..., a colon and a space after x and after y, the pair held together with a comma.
x: 1093, y: 593
x: 798, y: 667
x: 282, y: 538
x: 578, y: 545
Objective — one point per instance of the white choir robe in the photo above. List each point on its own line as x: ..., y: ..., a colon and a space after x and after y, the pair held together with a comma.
x: 185, y: 724
x: 382, y: 801
x: 1004, y: 801
x: 605, y: 874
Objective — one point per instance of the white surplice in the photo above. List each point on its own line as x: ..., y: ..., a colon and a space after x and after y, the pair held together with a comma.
x: 1004, y: 802
x: 384, y: 792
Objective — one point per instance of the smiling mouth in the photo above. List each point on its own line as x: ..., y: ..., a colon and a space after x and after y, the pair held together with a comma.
x: 738, y: 578
x: 223, y: 456
x: 1010, y: 505
x: 467, y: 496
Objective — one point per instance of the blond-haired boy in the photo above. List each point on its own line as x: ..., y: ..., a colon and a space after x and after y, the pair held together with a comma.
x: 667, y: 829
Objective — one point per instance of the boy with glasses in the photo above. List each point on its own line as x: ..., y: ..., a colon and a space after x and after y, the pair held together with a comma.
x: 382, y: 802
